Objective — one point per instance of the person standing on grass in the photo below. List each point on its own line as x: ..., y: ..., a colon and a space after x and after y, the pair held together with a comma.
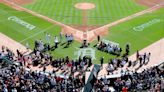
x: 41, y: 45
x: 127, y: 48
x: 48, y: 37
x: 98, y: 38
x: 148, y: 57
x: 27, y: 46
x: 102, y: 61
x: 137, y: 55
x: 67, y: 38
x: 71, y: 37
x: 3, y: 48
x: 144, y: 58
x: 56, y: 41
x: 60, y: 37
x: 18, y: 53
x: 140, y: 60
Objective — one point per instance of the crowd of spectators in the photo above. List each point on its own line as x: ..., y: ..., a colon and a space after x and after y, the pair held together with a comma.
x: 6, y: 54
x: 17, y: 79
x: 151, y: 80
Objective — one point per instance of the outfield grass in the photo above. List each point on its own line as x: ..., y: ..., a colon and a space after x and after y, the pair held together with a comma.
x: 122, y: 33
x: 106, y: 11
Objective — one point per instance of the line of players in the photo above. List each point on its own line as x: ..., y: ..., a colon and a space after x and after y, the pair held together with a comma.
x: 40, y: 44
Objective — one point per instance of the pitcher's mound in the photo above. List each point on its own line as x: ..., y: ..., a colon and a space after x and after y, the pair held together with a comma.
x: 85, y: 6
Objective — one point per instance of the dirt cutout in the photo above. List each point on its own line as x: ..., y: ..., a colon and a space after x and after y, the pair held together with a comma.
x: 20, y: 2
x: 150, y: 3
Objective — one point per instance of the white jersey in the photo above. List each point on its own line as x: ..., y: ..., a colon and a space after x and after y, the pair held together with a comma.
x: 27, y: 45
x: 48, y: 37
x: 56, y: 40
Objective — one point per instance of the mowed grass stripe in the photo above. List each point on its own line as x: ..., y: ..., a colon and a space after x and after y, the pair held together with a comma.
x: 74, y: 13
x: 62, y: 11
x: 70, y: 14
x: 37, y: 6
x: 77, y: 14
x: 99, y: 12
x: 120, y: 9
x: 128, y: 7
x: 60, y: 8
x: 117, y: 12
x: 124, y: 7
x: 108, y: 11
x: 106, y: 17
x: 44, y: 9
x: 65, y: 14
x: 102, y: 10
x: 52, y: 8
x: 97, y: 17
x: 40, y: 10
x: 47, y: 9
x: 113, y: 13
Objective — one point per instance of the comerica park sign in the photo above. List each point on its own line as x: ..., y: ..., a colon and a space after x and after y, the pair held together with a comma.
x: 147, y: 24
x: 21, y: 22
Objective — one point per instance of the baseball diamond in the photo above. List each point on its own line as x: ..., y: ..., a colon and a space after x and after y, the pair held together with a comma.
x: 81, y: 45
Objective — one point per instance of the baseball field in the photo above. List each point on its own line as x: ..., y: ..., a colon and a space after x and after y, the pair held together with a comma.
x: 139, y: 31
